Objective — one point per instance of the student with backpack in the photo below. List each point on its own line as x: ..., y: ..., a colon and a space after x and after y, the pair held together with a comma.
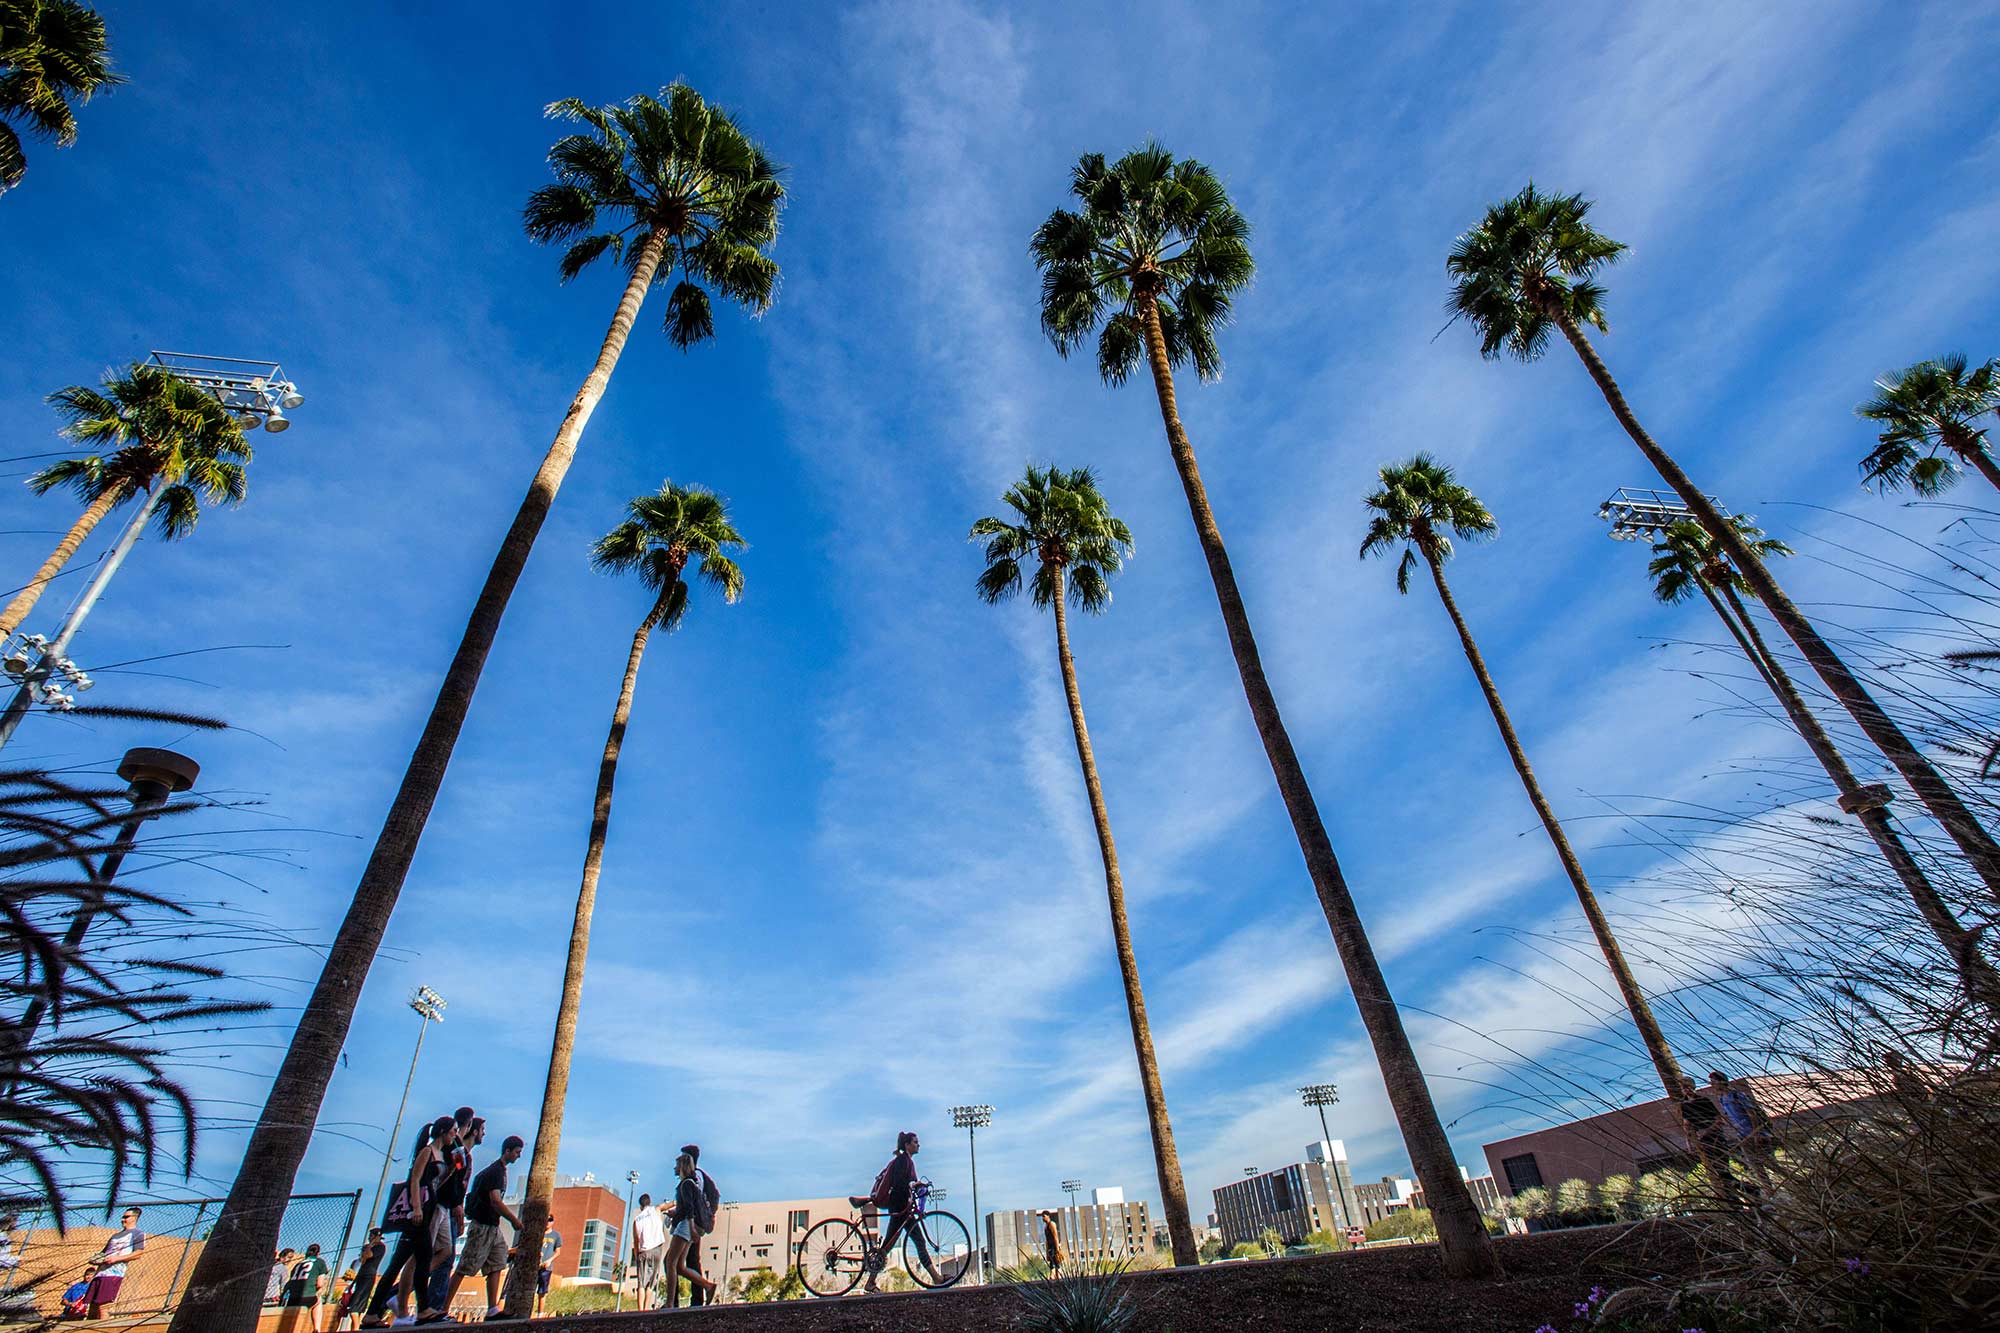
x: 892, y: 1193
x: 692, y: 1216
x: 709, y: 1191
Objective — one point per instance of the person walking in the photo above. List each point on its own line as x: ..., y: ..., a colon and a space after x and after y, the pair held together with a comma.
x: 893, y: 1192
x: 485, y: 1251
x: 281, y: 1268
x: 305, y: 1284
x: 1746, y: 1116
x: 452, y: 1187
x: 552, y: 1243
x: 108, y: 1264
x: 713, y: 1193
x: 361, y: 1282
x: 1053, y: 1253
x: 1703, y: 1119
x: 649, y: 1247
x: 690, y: 1216
x: 413, y: 1210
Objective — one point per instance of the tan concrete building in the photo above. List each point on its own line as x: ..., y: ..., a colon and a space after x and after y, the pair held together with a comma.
x: 1318, y: 1194
x: 753, y: 1236
x: 1105, y: 1230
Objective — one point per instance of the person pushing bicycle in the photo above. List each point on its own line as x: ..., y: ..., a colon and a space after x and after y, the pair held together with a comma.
x: 894, y: 1193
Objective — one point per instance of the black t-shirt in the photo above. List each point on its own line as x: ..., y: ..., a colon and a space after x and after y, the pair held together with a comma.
x: 1701, y: 1115
x: 479, y: 1206
x: 371, y: 1259
x: 451, y: 1190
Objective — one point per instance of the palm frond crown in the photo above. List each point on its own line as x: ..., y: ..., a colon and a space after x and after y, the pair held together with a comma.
x: 1420, y: 506
x: 665, y: 531
x: 1685, y: 556
x: 1930, y: 407
x: 677, y: 166
x: 1061, y: 522
x: 1532, y: 258
x: 52, y: 53
x: 155, y: 430
x: 1149, y: 227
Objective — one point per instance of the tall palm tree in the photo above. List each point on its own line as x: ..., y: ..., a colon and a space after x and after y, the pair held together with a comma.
x: 1529, y: 269
x: 1685, y: 561
x: 1062, y: 523
x: 671, y: 187
x: 168, y: 441
x: 52, y: 52
x: 1148, y: 265
x: 664, y: 532
x: 1419, y: 508
x: 1932, y: 406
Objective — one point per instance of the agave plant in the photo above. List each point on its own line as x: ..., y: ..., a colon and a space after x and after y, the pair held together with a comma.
x: 1083, y: 1303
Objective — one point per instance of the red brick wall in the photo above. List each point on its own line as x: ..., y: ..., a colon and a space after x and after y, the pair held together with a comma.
x: 574, y: 1205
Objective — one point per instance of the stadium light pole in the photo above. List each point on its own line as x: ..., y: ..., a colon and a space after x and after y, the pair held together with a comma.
x: 1070, y: 1187
x: 631, y: 1185
x: 972, y: 1119
x: 258, y: 393
x: 430, y: 1007
x: 1319, y: 1096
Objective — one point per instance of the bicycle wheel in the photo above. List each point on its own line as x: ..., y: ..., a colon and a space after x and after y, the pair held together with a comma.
x: 833, y: 1257
x: 948, y: 1243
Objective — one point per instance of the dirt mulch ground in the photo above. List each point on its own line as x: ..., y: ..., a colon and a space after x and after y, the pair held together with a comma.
x: 1394, y: 1290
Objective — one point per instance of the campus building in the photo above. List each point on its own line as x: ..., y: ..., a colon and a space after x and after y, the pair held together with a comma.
x: 750, y: 1237
x: 591, y: 1218
x: 1649, y: 1136
x: 1377, y: 1199
x: 1105, y: 1229
x: 1485, y: 1193
x: 1318, y: 1194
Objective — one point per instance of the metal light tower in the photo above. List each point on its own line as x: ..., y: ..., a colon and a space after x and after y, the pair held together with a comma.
x: 1319, y: 1096
x: 631, y: 1185
x: 1070, y: 1187
x: 258, y: 393
x: 430, y: 1007
x: 1249, y: 1171
x: 972, y: 1119
x: 1637, y: 513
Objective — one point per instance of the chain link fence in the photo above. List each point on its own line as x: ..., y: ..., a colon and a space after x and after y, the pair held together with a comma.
x: 48, y: 1261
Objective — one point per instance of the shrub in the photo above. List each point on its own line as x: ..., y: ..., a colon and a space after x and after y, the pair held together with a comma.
x: 1249, y: 1250
x: 1413, y: 1223
x: 573, y: 1299
x: 1080, y: 1304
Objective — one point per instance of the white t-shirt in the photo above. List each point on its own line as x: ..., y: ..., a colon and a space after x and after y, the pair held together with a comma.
x: 651, y: 1232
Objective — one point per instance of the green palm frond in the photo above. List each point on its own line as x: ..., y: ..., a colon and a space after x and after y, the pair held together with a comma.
x: 1419, y: 507
x: 663, y: 531
x: 161, y: 431
x: 1062, y: 522
x: 1685, y: 557
x: 1149, y: 227
x: 52, y: 53
x: 1929, y: 415
x: 673, y: 167
x: 1533, y: 257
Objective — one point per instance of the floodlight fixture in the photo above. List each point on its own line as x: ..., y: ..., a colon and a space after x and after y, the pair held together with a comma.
x: 971, y: 1117
x: 275, y: 422
x: 1319, y: 1094
x: 1638, y: 513
x: 1251, y: 1171
x: 291, y: 397
x: 258, y: 392
x: 428, y: 1003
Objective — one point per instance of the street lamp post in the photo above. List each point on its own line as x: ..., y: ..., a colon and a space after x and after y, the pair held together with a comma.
x: 972, y: 1119
x: 155, y: 775
x: 631, y: 1184
x: 259, y: 393
x: 429, y: 1006
x: 1319, y: 1096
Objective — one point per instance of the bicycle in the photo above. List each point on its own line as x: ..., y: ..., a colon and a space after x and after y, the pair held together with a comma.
x: 837, y: 1253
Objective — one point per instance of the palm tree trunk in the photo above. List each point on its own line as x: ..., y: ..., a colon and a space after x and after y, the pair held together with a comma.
x: 1975, y: 454
x: 1868, y: 804
x: 227, y: 1286
x: 1166, y: 1158
x: 1466, y: 1249
x: 24, y: 601
x: 520, y: 1294
x: 1929, y: 785
x: 1600, y: 927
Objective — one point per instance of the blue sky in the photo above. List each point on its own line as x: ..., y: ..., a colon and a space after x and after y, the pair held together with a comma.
x: 851, y: 878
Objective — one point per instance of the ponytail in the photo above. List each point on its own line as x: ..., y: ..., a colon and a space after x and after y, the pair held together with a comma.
x: 432, y: 1132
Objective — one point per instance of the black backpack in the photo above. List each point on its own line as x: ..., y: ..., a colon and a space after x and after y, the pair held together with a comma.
x: 705, y: 1197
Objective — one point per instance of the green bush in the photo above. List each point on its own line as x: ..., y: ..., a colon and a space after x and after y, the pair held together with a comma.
x: 1248, y: 1250
x: 1080, y: 1304
x: 582, y: 1300
x: 1413, y: 1223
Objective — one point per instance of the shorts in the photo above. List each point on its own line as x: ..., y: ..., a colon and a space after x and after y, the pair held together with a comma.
x: 441, y: 1237
x: 485, y: 1251
x: 542, y: 1282
x: 684, y: 1231
x: 647, y: 1264
x: 104, y: 1288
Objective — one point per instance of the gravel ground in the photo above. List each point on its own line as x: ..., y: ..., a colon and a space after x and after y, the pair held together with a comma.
x: 1392, y: 1290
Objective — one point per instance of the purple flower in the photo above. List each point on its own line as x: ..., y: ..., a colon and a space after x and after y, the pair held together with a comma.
x: 1546, y: 1328
x: 1580, y: 1309
x: 1596, y: 1294
x: 1857, y: 1267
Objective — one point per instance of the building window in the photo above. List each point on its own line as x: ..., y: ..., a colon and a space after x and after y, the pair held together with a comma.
x: 1522, y: 1173
x: 1281, y: 1193
x: 801, y: 1219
